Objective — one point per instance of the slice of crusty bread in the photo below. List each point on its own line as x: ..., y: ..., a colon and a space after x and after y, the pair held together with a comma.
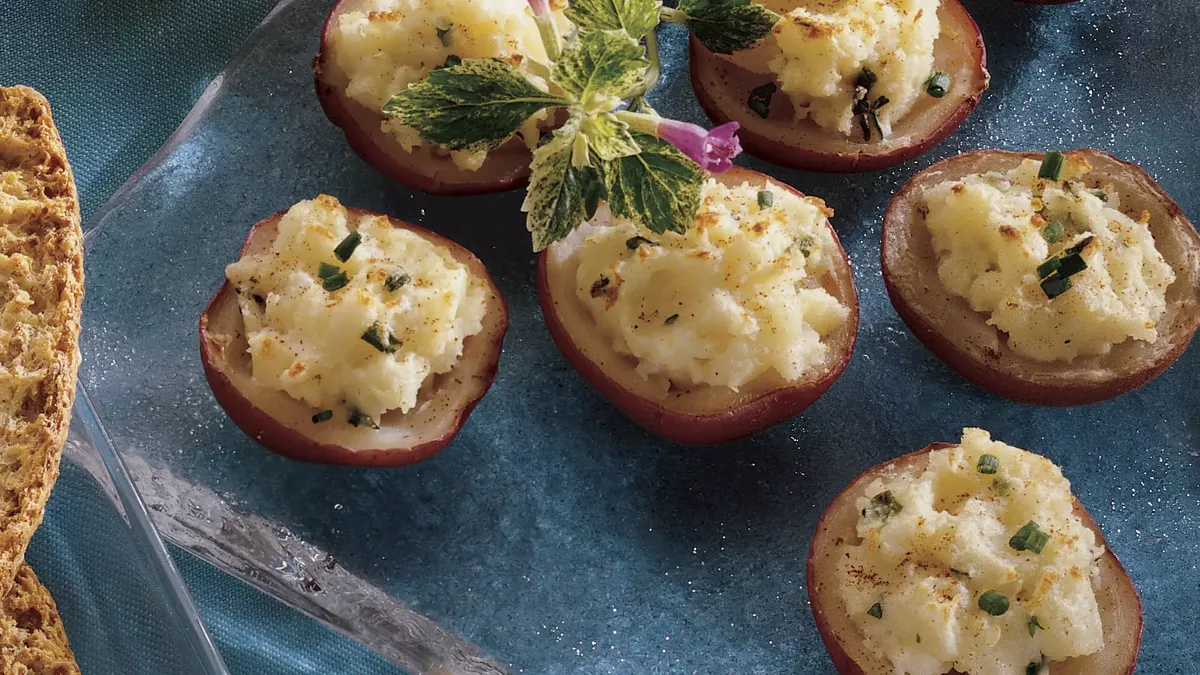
x: 32, y: 638
x: 41, y: 297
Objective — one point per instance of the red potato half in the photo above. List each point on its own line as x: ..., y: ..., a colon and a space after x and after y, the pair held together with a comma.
x: 979, y: 352
x: 284, y: 425
x: 689, y: 414
x: 1120, y: 606
x: 506, y: 168
x: 723, y: 84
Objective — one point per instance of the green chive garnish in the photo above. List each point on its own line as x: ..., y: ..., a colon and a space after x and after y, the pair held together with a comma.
x: 444, y: 35
x: 325, y: 270
x: 993, y: 603
x: 396, y: 281
x: 988, y: 464
x: 335, y: 282
x: 1056, y: 286
x: 1072, y: 264
x: 866, y: 79
x: 1078, y: 248
x: 1034, y: 624
x: 452, y: 60
x: 760, y: 99
x: 323, y: 416
x: 1053, y: 233
x: 375, y: 337
x: 346, y: 249
x: 1037, y: 540
x: 633, y: 243
x: 884, y: 505
x: 1001, y: 486
x: 1100, y: 194
x: 671, y: 319
x: 765, y: 199
x: 1018, y: 540
x: 1052, y: 165
x: 938, y: 84
x: 876, y: 611
x: 1049, y: 267
x: 359, y: 419
x: 1035, y: 668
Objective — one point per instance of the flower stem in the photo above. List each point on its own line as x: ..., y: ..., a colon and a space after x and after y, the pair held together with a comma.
x: 550, y: 35
x: 653, y: 71
x: 640, y: 122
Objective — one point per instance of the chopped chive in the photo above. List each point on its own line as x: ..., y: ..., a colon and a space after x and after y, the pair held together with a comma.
x: 1035, y: 667
x: 760, y: 99
x: 375, y: 337
x: 1037, y: 540
x: 359, y: 419
x: 884, y: 505
x: 599, y: 286
x: 671, y: 319
x: 1072, y: 264
x: 325, y: 270
x: 1053, y: 233
x: 766, y: 199
x: 323, y: 416
x: 633, y: 243
x: 335, y: 282
x: 1034, y: 624
x: 993, y: 603
x: 879, y: 103
x: 1019, y: 540
x: 806, y: 245
x: 1078, y: 248
x: 452, y: 60
x: 866, y: 79
x: 1001, y: 486
x: 259, y: 299
x: 876, y: 611
x: 988, y: 464
x: 1052, y: 165
x: 346, y: 249
x: 444, y: 35
x: 1049, y: 267
x: 938, y: 84
x: 396, y: 281
x: 1056, y: 286
x: 1100, y: 194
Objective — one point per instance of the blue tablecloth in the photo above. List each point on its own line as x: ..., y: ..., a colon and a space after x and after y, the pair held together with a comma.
x: 121, y: 75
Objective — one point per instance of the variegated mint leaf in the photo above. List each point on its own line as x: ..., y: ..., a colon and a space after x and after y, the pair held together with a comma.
x: 475, y: 105
x: 658, y: 188
x: 725, y: 26
x: 635, y: 17
x: 600, y: 68
x: 608, y: 137
x: 559, y: 192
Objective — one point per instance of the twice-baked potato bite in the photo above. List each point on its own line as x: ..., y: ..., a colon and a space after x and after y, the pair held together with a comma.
x: 348, y: 337
x: 732, y: 326
x: 1058, y: 282
x: 848, y: 86
x: 373, y: 49
x: 973, y: 559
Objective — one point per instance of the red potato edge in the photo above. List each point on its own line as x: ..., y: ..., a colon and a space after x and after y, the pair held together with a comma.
x: 747, y: 417
x: 766, y: 138
x: 1120, y: 605
x: 506, y: 168
x: 912, y: 286
x: 289, y: 441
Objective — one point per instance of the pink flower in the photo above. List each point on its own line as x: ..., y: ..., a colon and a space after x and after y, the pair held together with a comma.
x: 540, y: 7
x: 713, y: 150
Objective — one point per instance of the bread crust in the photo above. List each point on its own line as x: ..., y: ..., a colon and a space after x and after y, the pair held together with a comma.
x: 41, y: 299
x: 32, y: 638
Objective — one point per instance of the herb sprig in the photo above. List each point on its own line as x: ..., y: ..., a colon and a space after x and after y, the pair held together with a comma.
x: 612, y: 146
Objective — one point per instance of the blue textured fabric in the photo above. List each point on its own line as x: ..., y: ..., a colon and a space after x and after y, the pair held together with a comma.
x: 121, y: 75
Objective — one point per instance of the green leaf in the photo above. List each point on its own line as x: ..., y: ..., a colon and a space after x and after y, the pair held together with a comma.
x: 475, y: 105
x: 559, y: 192
x: 636, y: 17
x: 608, y: 136
x: 725, y: 26
x: 658, y: 188
x: 599, y: 68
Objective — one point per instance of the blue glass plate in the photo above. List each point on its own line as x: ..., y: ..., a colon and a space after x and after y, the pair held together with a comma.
x: 554, y: 536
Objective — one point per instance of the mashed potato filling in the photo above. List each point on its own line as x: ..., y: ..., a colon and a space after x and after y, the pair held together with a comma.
x: 825, y: 45
x: 737, y: 295
x: 933, y: 544
x: 385, y: 45
x: 365, y: 343
x: 990, y: 234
